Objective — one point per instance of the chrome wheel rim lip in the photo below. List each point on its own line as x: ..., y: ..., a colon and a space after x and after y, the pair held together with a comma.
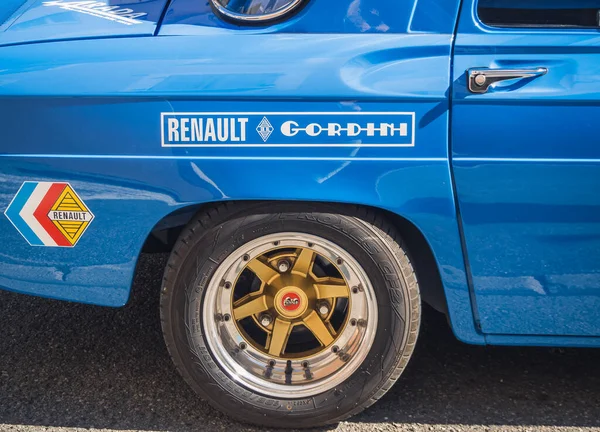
x: 250, y: 367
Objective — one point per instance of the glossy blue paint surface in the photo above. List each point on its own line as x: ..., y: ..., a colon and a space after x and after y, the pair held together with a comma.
x: 8, y: 8
x: 103, y: 134
x: 527, y: 170
x: 340, y: 16
x: 48, y: 20
x: 91, y: 106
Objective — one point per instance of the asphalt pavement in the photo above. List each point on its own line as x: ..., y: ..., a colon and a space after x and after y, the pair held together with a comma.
x: 70, y: 367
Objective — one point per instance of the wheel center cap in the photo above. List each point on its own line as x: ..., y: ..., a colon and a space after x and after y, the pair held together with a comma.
x: 291, y: 302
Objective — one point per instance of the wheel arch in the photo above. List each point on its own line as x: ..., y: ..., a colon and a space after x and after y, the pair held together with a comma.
x: 164, y: 234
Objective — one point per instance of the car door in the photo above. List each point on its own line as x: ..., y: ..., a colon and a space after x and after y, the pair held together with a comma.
x: 526, y: 161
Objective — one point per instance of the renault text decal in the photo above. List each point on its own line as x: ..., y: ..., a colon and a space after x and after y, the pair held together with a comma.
x: 297, y: 129
x: 100, y: 9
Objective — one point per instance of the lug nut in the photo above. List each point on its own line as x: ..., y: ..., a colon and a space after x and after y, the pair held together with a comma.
x: 324, y: 308
x: 266, y: 320
x: 283, y: 266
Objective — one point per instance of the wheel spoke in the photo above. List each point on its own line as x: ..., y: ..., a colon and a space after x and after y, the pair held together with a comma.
x: 279, y: 337
x: 250, y: 307
x: 304, y: 263
x: 318, y: 328
x: 330, y: 280
x: 262, y: 271
x: 331, y: 291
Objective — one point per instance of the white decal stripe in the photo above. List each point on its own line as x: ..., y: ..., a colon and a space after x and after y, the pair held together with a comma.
x: 30, y: 206
x: 91, y: 8
x: 281, y: 113
x: 99, y: 14
x: 222, y: 158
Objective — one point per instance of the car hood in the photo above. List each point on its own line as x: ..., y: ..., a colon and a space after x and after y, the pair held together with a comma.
x: 30, y: 21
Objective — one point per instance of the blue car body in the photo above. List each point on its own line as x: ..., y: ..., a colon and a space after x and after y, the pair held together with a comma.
x: 115, y: 104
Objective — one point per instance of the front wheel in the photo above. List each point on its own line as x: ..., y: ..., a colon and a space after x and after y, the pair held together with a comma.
x: 289, y: 319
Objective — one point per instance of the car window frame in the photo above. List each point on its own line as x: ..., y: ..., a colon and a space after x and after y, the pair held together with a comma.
x: 529, y: 29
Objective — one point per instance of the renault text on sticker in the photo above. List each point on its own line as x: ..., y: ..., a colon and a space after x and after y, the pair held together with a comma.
x: 49, y: 214
x: 297, y: 129
x: 100, y: 9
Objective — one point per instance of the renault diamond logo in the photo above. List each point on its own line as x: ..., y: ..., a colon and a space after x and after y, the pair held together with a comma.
x: 264, y: 129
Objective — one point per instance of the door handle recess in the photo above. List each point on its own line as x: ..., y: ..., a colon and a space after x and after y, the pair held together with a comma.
x: 480, y: 79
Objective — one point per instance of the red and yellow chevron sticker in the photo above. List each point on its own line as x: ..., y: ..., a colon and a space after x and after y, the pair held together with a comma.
x: 49, y: 214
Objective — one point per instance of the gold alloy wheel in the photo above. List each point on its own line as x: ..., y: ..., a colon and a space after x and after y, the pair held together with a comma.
x: 290, y: 309
x: 292, y: 296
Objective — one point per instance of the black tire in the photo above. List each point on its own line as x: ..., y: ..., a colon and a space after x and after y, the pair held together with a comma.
x: 215, y: 233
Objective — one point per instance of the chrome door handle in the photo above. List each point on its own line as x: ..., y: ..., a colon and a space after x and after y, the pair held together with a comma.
x: 481, y: 79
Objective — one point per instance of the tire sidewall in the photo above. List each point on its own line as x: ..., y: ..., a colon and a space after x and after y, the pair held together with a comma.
x: 187, y: 280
